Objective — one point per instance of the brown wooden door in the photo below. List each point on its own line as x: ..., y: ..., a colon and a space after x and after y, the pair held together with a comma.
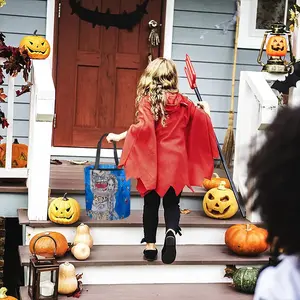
x: 97, y: 72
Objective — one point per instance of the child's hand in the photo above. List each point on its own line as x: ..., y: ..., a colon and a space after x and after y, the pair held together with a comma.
x: 204, y: 105
x: 113, y: 137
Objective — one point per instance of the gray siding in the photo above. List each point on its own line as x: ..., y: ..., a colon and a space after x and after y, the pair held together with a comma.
x: 19, y: 18
x: 212, y: 55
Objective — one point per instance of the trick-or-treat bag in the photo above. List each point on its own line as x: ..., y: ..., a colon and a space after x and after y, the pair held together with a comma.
x: 107, y: 192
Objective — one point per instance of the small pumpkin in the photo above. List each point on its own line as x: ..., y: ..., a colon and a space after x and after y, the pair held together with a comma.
x: 3, y: 295
x: 244, y: 279
x: 83, y: 235
x: 276, y: 46
x: 45, y: 246
x: 246, y: 239
x: 215, y: 182
x: 64, y: 210
x: 19, y: 155
x: 67, y: 281
x: 37, y: 46
x: 81, y: 251
x: 220, y: 203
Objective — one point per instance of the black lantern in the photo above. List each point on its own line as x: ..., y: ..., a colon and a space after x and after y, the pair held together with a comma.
x: 43, y: 276
x: 276, y: 50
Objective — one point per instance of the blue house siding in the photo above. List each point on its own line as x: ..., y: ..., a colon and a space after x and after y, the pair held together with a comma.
x: 212, y: 55
x: 19, y: 18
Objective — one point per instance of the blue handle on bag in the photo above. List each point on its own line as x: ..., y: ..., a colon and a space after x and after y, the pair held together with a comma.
x: 99, y: 146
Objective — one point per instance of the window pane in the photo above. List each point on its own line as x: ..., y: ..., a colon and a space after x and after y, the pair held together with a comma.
x: 269, y: 12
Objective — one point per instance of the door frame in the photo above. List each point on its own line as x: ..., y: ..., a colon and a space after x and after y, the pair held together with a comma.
x: 51, y: 32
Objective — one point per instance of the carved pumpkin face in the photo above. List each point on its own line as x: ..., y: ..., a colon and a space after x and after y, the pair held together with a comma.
x: 64, y: 210
x: 19, y: 155
x: 276, y: 46
x: 37, y: 46
x: 220, y: 203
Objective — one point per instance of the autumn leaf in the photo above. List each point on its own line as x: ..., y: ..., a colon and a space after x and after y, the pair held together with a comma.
x: 3, y: 120
x: 24, y: 89
x: 2, y: 95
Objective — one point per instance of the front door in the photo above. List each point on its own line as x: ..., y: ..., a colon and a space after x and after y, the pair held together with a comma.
x: 97, y: 72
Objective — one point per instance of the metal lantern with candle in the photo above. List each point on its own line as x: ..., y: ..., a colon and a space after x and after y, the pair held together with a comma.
x: 43, y: 275
x: 276, y: 50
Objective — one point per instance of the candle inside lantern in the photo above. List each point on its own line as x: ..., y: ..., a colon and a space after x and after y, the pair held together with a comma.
x: 46, y: 288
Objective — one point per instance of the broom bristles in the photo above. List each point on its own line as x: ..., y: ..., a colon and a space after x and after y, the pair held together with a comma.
x: 228, y: 146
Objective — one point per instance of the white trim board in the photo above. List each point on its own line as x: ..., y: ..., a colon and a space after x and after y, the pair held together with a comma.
x: 168, y: 38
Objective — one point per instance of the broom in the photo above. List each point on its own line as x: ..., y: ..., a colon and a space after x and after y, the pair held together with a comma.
x: 228, y: 146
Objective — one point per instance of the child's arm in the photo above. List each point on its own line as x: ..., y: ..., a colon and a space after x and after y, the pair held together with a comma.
x: 116, y: 137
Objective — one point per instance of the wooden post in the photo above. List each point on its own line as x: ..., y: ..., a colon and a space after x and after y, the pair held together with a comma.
x: 40, y: 139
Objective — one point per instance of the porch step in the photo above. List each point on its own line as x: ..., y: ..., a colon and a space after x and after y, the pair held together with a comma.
x: 222, y: 291
x: 197, y: 228
x: 125, y: 265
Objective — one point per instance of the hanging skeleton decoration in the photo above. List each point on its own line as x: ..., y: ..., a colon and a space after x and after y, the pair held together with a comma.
x: 122, y: 21
x: 153, y: 39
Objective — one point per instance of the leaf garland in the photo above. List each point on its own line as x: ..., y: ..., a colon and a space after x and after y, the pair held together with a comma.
x: 16, y: 60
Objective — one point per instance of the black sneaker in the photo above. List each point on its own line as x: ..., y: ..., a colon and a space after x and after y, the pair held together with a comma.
x: 169, y: 250
x: 150, y: 254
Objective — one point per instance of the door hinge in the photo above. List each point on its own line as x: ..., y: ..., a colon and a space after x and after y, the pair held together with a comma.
x: 59, y: 9
x: 54, y: 121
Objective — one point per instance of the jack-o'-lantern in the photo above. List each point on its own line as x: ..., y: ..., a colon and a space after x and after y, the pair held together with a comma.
x: 64, y: 210
x: 19, y: 155
x: 37, y: 46
x: 220, y: 203
x: 276, y: 46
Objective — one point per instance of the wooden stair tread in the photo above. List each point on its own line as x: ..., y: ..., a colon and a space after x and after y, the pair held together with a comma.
x: 207, y: 291
x: 132, y: 255
x: 193, y: 219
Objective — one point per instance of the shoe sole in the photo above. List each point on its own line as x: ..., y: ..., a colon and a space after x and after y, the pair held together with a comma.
x: 169, y: 253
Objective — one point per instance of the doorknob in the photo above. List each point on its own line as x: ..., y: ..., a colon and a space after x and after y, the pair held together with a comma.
x: 153, y: 38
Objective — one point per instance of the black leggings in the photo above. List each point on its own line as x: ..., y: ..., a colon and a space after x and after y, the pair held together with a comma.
x: 150, y: 215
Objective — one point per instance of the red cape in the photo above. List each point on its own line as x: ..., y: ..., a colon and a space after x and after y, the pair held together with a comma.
x: 180, y: 154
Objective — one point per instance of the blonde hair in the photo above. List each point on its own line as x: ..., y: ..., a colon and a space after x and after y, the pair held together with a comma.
x: 159, y: 77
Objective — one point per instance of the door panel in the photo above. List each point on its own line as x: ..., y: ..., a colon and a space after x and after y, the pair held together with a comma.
x: 97, y: 72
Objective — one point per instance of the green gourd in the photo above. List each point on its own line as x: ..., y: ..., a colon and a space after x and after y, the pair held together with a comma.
x: 244, y: 279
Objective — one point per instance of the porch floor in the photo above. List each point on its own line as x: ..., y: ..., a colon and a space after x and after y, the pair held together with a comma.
x: 69, y: 178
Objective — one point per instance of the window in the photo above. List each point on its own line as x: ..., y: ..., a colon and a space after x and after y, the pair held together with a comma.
x: 257, y: 16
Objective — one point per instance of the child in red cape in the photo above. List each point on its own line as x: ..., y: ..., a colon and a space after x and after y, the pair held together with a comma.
x: 171, y: 146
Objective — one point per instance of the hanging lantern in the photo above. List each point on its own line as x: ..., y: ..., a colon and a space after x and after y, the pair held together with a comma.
x: 43, y: 276
x: 276, y: 50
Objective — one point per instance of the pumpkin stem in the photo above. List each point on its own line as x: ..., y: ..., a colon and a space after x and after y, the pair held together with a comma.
x: 3, y: 292
x: 230, y: 270
x: 65, y: 197
x: 222, y: 186
x: 16, y: 141
x: 215, y: 175
x: 248, y: 227
x: 35, y: 32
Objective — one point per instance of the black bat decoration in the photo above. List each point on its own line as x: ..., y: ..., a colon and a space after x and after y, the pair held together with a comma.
x: 121, y: 21
x: 290, y: 81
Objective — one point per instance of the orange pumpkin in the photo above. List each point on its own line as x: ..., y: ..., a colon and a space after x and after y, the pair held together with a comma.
x: 45, y: 246
x: 246, y: 239
x: 276, y: 46
x: 214, y: 182
x: 19, y: 155
x: 3, y: 295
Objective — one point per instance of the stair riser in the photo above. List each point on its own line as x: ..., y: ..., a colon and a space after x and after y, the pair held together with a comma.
x: 151, y: 274
x: 133, y: 235
x: 136, y: 202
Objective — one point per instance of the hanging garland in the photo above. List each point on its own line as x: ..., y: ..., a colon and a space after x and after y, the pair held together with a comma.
x: 121, y: 21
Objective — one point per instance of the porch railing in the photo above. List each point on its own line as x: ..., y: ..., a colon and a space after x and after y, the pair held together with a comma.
x: 39, y: 138
x: 257, y: 106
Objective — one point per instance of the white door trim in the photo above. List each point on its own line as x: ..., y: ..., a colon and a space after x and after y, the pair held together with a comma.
x: 168, y: 37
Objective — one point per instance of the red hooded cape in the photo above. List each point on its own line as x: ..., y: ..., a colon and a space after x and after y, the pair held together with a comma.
x: 178, y: 155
